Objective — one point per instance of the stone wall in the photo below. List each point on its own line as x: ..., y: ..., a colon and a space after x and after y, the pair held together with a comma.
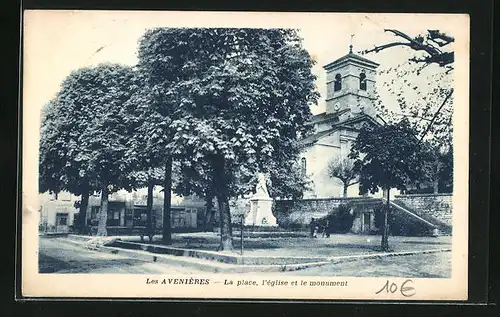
x: 298, y: 213
x: 438, y: 206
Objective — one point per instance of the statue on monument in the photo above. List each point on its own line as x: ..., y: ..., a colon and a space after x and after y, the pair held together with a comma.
x: 261, y: 189
x: 261, y: 206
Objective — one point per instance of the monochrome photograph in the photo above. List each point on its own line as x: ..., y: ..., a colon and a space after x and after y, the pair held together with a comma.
x: 245, y: 155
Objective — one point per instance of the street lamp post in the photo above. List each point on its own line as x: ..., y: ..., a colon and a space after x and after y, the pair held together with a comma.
x: 241, y: 234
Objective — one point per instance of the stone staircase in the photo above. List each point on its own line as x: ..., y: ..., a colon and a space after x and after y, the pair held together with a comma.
x: 439, y: 227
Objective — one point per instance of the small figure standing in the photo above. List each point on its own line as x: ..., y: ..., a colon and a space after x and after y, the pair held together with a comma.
x: 312, y: 227
x: 326, y: 229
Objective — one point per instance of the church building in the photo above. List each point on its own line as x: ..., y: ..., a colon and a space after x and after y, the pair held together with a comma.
x: 350, y: 105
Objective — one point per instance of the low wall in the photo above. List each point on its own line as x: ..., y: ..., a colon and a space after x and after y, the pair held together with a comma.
x: 438, y: 206
x: 298, y: 213
x: 216, y: 256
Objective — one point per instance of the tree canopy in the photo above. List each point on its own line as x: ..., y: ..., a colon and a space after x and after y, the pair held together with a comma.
x: 93, y: 98
x: 286, y: 179
x: 390, y: 156
x: 83, y: 142
x: 240, y: 98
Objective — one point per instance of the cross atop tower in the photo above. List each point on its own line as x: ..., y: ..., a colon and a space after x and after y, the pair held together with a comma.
x: 350, y: 46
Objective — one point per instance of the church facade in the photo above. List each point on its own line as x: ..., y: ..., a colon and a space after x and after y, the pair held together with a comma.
x: 350, y: 83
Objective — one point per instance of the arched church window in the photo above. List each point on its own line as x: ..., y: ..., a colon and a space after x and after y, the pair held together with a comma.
x: 303, y: 163
x: 338, y: 83
x: 362, y: 81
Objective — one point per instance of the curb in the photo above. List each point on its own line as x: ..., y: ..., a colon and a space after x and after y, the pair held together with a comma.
x: 351, y: 258
x: 201, y: 264
x: 216, y: 256
x: 211, y: 256
x: 218, y: 267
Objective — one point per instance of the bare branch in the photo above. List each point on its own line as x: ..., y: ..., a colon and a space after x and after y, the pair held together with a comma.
x: 436, y: 35
x: 342, y: 169
x: 416, y: 45
x: 440, y: 44
x: 442, y: 59
x: 430, y: 45
x: 377, y: 49
x: 410, y: 116
x: 435, y: 115
x: 399, y: 33
x: 449, y: 69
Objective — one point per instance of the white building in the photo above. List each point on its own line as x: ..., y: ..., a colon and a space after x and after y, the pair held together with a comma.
x: 125, y: 210
x: 350, y: 82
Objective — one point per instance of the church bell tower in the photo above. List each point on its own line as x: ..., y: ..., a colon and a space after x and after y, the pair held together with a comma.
x: 350, y: 83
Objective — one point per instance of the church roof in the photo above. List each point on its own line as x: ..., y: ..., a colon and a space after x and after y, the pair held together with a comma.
x: 349, y: 123
x: 351, y: 57
x: 315, y: 137
x: 325, y: 116
x: 346, y: 124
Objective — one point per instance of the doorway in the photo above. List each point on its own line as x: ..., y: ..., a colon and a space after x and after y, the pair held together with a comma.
x: 62, y: 222
x: 366, y: 222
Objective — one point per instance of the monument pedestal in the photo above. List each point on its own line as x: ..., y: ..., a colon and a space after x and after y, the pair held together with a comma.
x: 261, y: 213
x: 261, y: 207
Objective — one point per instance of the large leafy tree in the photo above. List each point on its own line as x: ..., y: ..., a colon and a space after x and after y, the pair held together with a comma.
x: 94, y: 130
x: 61, y: 165
x: 241, y: 96
x: 390, y: 156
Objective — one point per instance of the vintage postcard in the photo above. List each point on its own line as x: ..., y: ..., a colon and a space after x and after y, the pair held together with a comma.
x: 235, y: 155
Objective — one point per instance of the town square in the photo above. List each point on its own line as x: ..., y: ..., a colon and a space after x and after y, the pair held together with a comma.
x: 246, y: 150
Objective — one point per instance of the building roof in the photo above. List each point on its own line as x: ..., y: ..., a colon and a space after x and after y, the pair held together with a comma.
x: 317, y: 118
x: 359, y: 118
x: 351, y: 57
x: 346, y: 124
x: 310, y: 139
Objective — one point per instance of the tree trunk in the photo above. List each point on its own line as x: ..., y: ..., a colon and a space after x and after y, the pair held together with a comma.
x: 209, y: 219
x: 149, y: 210
x: 385, y: 232
x: 435, y: 186
x: 83, y: 211
x: 167, y: 202
x: 345, y: 190
x: 226, y: 235
x: 436, y: 176
x: 103, y: 214
x: 220, y: 181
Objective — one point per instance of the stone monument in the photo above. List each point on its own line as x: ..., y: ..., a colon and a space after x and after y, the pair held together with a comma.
x: 261, y: 207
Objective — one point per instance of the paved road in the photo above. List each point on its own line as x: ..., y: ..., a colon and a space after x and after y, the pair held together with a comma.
x: 57, y: 255
x: 433, y: 265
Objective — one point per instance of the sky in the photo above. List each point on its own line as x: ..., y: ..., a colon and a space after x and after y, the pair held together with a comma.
x: 58, y: 42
